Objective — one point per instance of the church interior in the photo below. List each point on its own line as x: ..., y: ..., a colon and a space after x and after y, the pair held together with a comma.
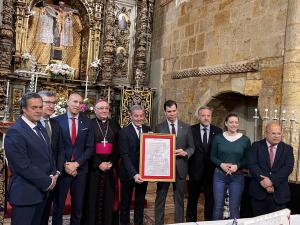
x: 232, y: 55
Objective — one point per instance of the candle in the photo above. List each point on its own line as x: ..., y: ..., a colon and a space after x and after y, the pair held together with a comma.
x: 108, y: 95
x: 282, y: 115
x: 7, y: 88
x: 275, y: 114
x: 293, y: 115
x: 35, y: 83
x: 266, y: 114
x: 86, y: 86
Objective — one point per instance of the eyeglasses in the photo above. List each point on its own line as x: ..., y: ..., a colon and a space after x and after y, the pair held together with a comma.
x: 49, y: 103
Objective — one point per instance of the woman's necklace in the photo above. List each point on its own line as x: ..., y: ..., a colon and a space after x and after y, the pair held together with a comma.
x: 104, y: 135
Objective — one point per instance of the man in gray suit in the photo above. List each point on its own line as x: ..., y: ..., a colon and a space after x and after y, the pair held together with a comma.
x: 184, y: 150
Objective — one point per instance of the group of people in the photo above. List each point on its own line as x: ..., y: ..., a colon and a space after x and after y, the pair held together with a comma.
x: 70, y: 153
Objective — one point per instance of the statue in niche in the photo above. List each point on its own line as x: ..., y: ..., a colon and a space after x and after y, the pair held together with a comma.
x: 120, y: 55
x: 55, y: 34
x: 123, y: 20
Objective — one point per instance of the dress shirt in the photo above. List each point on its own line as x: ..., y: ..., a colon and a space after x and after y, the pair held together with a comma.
x: 274, y: 149
x: 43, y: 122
x: 70, y: 122
x: 202, y: 132
x: 175, y: 125
x: 29, y: 123
x: 136, y: 129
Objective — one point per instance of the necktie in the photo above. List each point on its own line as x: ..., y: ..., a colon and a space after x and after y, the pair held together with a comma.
x: 73, y: 131
x: 139, y: 130
x: 204, y: 137
x: 271, y: 154
x: 173, y: 128
x: 39, y: 133
x: 47, y: 127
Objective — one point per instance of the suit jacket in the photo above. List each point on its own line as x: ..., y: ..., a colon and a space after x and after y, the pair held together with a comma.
x: 31, y: 164
x: 129, y: 147
x: 184, y: 140
x: 84, y: 146
x: 58, y: 151
x: 258, y: 164
x: 200, y: 163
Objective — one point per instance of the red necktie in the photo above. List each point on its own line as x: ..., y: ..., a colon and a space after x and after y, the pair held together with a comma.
x: 73, y: 131
x: 271, y: 154
x: 173, y: 128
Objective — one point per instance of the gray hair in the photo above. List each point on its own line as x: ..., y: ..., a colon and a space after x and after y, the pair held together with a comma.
x: 136, y: 107
x: 46, y: 93
x: 201, y: 108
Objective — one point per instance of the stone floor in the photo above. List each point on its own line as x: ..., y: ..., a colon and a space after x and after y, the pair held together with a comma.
x: 149, y: 211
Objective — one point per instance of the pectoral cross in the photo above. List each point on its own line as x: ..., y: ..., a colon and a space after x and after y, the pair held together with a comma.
x: 104, y: 142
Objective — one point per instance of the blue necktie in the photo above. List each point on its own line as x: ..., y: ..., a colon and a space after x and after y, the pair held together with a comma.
x: 39, y: 133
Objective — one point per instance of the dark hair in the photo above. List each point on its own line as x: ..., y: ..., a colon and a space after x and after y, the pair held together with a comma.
x: 26, y: 97
x: 169, y: 103
x: 232, y: 114
x: 46, y: 94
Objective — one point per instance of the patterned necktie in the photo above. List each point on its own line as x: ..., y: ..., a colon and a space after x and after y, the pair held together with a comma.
x: 271, y: 154
x: 173, y: 128
x: 139, y: 131
x: 39, y: 133
x: 47, y: 127
x: 73, y: 131
x: 204, y: 137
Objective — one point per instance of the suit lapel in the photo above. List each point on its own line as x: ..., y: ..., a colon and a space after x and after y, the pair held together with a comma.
x: 278, y: 154
x: 197, y: 134
x: 265, y: 152
x: 65, y: 126
x: 39, y: 142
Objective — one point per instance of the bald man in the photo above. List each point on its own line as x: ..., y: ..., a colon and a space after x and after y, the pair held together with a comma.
x: 270, y: 163
x: 78, y: 137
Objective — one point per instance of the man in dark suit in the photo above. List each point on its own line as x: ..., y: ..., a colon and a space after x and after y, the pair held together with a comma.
x: 78, y: 138
x: 28, y: 151
x: 270, y: 163
x: 184, y: 150
x: 129, y: 147
x: 55, y: 136
x: 201, y: 169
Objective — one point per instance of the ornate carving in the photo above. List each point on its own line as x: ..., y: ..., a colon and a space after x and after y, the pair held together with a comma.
x: 142, y: 38
x: 133, y: 96
x: 123, y: 35
x: 239, y: 67
x: 109, y: 44
x: 6, y: 37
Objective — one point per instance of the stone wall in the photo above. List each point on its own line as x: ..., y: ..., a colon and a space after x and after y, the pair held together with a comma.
x: 202, y: 33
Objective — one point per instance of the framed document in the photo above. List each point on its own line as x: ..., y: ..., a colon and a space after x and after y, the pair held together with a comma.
x: 157, y: 157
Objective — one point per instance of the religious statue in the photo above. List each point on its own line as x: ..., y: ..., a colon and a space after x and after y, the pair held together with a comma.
x: 55, y: 34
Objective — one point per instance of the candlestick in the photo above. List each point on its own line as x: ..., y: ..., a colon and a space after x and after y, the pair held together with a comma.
x: 275, y: 115
x: 282, y: 115
x: 293, y: 116
x: 7, y: 88
x: 86, y: 86
x: 266, y: 117
x: 108, y: 95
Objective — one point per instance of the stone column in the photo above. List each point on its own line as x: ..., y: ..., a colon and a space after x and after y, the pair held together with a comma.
x: 291, y: 77
x: 291, y: 67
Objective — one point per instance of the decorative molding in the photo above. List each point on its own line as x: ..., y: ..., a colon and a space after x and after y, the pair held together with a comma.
x: 164, y: 2
x: 239, y: 67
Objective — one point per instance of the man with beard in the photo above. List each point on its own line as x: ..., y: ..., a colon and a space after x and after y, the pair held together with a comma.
x: 100, y: 206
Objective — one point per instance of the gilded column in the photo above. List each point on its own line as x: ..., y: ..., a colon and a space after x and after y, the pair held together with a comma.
x: 291, y: 75
x: 6, y: 38
x: 109, y: 44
